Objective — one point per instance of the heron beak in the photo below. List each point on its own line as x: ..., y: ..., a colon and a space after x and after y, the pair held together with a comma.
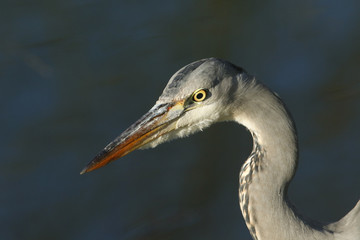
x: 160, y: 120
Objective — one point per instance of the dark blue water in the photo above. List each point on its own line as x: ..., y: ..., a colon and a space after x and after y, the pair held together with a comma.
x: 74, y: 74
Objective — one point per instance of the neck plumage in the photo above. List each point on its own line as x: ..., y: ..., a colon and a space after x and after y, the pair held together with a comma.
x: 265, y: 175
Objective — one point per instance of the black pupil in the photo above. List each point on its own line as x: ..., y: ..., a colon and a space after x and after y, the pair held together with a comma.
x: 199, y: 96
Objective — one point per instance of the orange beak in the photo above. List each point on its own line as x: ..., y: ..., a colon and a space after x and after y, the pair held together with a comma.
x: 160, y: 120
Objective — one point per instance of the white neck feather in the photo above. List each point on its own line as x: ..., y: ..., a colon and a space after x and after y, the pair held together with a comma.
x: 265, y: 176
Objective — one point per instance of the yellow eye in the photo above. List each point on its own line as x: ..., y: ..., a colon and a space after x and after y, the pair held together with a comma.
x: 199, y: 95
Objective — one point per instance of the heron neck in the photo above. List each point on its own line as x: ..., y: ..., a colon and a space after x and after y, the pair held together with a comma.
x: 273, y: 131
x: 265, y: 175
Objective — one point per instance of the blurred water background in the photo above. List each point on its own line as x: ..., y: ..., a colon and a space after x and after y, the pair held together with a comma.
x: 75, y: 73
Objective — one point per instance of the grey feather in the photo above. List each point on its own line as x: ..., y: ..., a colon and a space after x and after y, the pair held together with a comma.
x: 265, y: 176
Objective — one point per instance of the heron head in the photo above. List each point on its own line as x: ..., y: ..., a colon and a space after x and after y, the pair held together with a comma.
x: 195, y: 97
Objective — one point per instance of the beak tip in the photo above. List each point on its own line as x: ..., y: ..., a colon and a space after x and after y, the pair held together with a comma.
x: 83, y: 171
x: 87, y: 168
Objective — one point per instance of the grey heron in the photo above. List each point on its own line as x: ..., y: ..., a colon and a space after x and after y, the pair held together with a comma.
x: 213, y: 90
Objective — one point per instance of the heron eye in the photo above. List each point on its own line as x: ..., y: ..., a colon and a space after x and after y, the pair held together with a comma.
x: 199, y: 95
